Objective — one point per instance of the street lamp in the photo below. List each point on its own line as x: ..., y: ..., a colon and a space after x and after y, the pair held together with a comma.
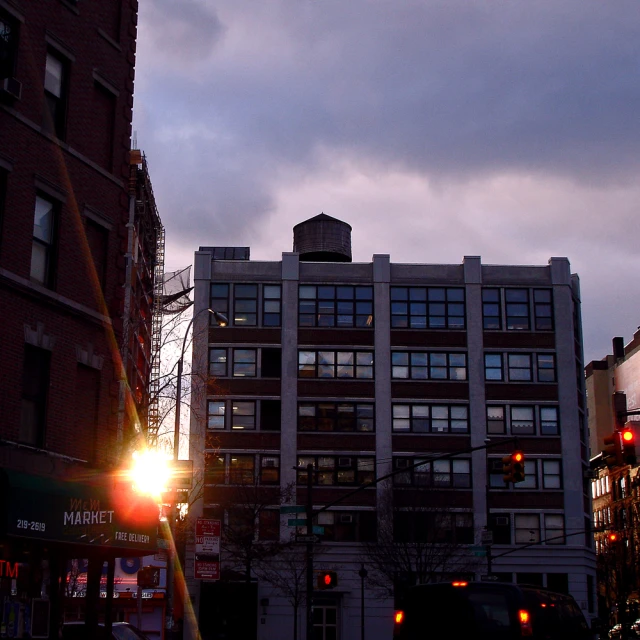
x: 222, y: 321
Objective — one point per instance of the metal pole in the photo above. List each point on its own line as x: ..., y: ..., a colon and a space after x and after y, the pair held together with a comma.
x: 363, y: 574
x: 488, y: 530
x: 309, y: 603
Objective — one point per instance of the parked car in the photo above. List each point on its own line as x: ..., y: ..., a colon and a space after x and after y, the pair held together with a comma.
x: 488, y: 611
x: 119, y: 631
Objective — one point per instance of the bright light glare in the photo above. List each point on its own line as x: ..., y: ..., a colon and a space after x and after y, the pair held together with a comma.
x: 627, y: 435
x: 518, y: 457
x: 150, y: 472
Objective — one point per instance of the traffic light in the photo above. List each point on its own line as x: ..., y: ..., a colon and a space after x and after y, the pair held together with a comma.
x: 612, y: 451
x: 628, y: 447
x: 148, y: 577
x: 513, y: 467
x: 613, y: 537
x: 518, y: 466
x: 327, y: 580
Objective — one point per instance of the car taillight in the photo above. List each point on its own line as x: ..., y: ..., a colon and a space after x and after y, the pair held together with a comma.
x: 398, y: 619
x: 525, y: 623
x: 459, y: 584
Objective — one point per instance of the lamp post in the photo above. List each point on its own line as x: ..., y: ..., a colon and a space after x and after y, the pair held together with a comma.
x: 222, y: 321
x: 363, y: 576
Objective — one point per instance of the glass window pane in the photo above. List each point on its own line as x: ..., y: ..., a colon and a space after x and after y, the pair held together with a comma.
x: 43, y: 220
x: 271, y: 291
x: 306, y: 291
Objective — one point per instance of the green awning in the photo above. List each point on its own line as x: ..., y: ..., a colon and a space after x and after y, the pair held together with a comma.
x: 77, y: 512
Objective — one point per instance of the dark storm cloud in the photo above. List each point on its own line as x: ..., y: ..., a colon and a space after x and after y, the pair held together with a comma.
x: 518, y: 121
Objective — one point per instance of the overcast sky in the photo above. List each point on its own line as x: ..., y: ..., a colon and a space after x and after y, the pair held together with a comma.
x: 508, y: 129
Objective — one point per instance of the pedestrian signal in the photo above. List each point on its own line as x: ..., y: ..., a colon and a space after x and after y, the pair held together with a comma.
x: 327, y: 580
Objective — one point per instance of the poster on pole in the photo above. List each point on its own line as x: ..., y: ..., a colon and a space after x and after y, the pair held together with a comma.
x: 207, y: 562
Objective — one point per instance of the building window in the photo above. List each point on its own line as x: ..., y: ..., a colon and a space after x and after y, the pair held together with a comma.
x: 241, y: 469
x: 8, y: 45
x: 55, y: 93
x: 271, y: 362
x: 218, y: 363
x: 269, y: 469
x: 335, y: 306
x: 520, y: 367
x: 527, y: 528
x: 335, y: 364
x: 543, y: 309
x: 270, y: 415
x: 496, y: 422
x: 43, y: 248
x: 549, y: 424
x: 215, y: 469
x: 243, y: 415
x: 245, y: 305
x: 337, y: 470
x: 219, y: 302
x: 437, y: 473
x: 215, y: 414
x: 271, y: 305
x: 517, y: 309
x: 335, y: 416
x: 551, y: 474
x: 493, y: 367
x: 244, y: 363
x: 427, y: 308
x: 546, y: 367
x: 554, y: 528
x: 346, y: 526
x: 438, y: 528
x: 416, y: 365
x: 491, y: 310
x: 35, y: 386
x: 522, y: 421
x: 424, y: 418
x: 500, y: 524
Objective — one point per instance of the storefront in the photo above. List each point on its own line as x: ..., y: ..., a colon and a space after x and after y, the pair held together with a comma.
x: 47, y: 523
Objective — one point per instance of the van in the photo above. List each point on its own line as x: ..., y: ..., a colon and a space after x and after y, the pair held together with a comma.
x: 488, y: 611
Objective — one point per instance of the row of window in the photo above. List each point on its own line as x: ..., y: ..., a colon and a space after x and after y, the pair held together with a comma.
x: 336, y: 470
x: 346, y: 306
x: 335, y: 306
x: 456, y: 473
x: 231, y: 468
x: 539, y: 474
x: 246, y: 310
x: 520, y: 367
x: 331, y: 416
x: 433, y: 527
x: 265, y: 362
x: 428, y: 365
x: 545, y: 528
x: 517, y: 309
x: 600, y: 486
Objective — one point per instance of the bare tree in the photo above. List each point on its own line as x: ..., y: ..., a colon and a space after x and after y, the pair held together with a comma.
x: 288, y: 574
x: 418, y: 543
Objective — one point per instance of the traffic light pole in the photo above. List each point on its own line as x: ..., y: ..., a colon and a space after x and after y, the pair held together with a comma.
x: 309, y: 603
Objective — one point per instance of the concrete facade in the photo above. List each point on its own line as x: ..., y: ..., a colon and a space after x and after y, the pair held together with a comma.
x: 543, y: 329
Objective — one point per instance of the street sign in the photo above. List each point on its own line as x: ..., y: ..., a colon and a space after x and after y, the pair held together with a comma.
x: 307, y: 539
x: 207, y: 561
x: 296, y: 508
x: 299, y: 522
x: 488, y: 578
x: 479, y: 552
x: 318, y: 530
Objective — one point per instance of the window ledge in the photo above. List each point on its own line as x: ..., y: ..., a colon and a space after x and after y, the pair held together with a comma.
x: 103, y: 34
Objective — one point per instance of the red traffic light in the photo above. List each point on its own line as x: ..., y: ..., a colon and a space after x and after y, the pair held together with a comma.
x: 613, y: 537
x: 627, y: 435
x: 327, y: 580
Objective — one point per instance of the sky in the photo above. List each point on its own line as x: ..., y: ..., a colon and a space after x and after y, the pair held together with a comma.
x: 508, y: 129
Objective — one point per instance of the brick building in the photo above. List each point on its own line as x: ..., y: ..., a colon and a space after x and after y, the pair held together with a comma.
x: 365, y: 369
x: 70, y: 257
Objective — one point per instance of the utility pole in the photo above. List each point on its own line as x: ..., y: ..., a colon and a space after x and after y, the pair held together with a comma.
x: 309, y: 602
x: 363, y: 575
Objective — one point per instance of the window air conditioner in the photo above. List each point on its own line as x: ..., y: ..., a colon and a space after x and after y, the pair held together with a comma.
x: 502, y: 521
x: 346, y: 518
x: 403, y: 463
x: 268, y: 462
x: 12, y: 87
x: 344, y: 463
